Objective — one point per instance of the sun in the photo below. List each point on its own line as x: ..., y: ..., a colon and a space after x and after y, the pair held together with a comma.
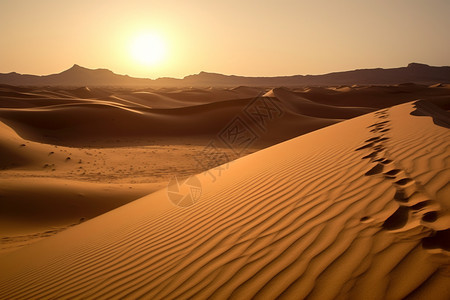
x: 148, y: 49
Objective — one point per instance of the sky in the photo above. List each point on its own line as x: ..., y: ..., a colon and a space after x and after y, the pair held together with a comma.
x: 241, y: 37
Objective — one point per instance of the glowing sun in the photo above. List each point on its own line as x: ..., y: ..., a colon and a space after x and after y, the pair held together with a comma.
x: 148, y: 49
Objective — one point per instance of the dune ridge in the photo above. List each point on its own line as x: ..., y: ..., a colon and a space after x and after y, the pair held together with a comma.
x: 79, y: 76
x: 304, y: 218
x: 89, y: 116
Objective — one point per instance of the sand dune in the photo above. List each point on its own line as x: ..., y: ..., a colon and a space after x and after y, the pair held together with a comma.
x: 307, y: 107
x: 355, y: 210
x: 46, y: 188
x: 43, y: 187
x: 93, y: 116
x: 17, y: 152
x: 374, y: 96
x: 146, y: 115
x: 129, y: 142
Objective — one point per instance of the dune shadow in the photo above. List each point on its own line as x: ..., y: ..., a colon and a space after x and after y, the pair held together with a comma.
x: 440, y: 117
x: 398, y: 219
x: 439, y: 240
x: 421, y: 205
x: 377, y: 169
x: 430, y: 216
x: 364, y: 147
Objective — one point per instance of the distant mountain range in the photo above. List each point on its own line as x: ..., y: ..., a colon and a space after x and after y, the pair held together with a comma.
x: 80, y: 76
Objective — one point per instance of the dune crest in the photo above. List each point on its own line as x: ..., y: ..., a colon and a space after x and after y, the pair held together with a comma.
x: 93, y: 116
x: 355, y: 210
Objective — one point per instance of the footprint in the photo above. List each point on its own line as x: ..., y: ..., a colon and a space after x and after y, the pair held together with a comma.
x: 371, y: 155
x: 379, y: 130
x: 366, y: 219
x: 365, y: 146
x: 381, y: 126
x: 373, y: 139
x: 377, y: 124
x: 421, y: 205
x: 417, y: 198
x: 378, y: 147
x: 377, y: 169
x: 392, y: 174
x: 439, y: 240
x: 405, y: 188
x: 397, y: 220
x: 404, y: 193
x: 404, y: 181
x: 386, y: 161
x: 401, y: 196
x: 430, y: 216
x: 388, y: 164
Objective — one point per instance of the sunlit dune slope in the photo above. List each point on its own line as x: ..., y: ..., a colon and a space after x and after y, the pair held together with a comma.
x: 16, y: 152
x: 356, y: 210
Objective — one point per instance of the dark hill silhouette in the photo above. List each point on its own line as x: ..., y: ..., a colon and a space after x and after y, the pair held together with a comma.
x: 80, y: 76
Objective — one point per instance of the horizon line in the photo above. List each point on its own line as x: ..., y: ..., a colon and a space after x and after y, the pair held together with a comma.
x: 217, y: 73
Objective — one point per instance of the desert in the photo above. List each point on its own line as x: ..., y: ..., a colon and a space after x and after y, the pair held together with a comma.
x: 234, y: 149
x: 330, y: 192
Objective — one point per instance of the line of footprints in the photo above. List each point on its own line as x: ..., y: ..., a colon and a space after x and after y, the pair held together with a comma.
x: 416, y: 208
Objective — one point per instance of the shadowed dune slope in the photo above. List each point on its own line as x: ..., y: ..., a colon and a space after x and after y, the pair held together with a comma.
x: 77, y: 121
x: 375, y: 96
x: 83, y: 116
x: 307, y: 107
x: 356, y: 210
x: 32, y: 199
x: 37, y: 204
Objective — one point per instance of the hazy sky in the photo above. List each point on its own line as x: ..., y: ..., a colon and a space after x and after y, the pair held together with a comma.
x: 264, y: 38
